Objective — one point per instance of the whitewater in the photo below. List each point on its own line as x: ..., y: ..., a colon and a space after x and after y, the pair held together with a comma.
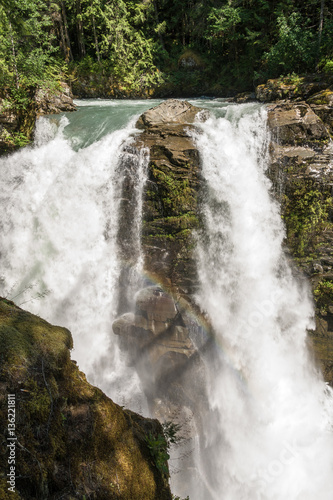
x: 268, y: 434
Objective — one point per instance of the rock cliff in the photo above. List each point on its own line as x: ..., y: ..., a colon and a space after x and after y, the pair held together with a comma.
x: 158, y: 336
x: 302, y: 174
x: 170, y: 211
x: 70, y: 440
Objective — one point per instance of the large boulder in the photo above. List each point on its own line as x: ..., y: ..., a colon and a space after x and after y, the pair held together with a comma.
x: 296, y: 124
x: 169, y: 113
x: 49, y: 101
x: 71, y: 441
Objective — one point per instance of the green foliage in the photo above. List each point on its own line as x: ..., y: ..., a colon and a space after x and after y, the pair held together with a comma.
x: 171, y: 432
x: 306, y: 215
x: 294, y: 49
x: 26, y: 42
x: 328, y: 66
x: 158, y: 449
x: 159, y: 445
x: 323, y: 295
x: 222, y: 23
x: 135, y: 46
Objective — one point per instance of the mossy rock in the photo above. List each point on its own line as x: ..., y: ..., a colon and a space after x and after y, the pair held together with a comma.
x: 170, y: 211
x: 325, y: 97
x: 72, y: 440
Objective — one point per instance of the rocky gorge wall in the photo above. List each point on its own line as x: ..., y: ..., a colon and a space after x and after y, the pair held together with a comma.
x: 302, y: 174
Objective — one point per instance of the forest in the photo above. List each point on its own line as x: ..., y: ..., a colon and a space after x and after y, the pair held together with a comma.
x: 142, y: 45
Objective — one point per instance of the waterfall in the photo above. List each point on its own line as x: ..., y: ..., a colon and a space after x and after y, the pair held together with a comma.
x: 270, y: 431
x: 70, y: 251
x: 60, y: 255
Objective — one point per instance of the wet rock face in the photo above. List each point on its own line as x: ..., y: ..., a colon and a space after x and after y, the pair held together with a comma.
x: 156, y: 336
x: 157, y: 342
x: 155, y: 329
x: 302, y: 174
x: 171, y: 196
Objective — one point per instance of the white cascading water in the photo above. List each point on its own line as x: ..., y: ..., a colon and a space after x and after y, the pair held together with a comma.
x: 271, y: 437
x: 268, y: 429
x: 58, y: 241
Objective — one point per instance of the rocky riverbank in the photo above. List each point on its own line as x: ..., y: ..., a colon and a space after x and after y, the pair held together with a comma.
x: 17, y: 119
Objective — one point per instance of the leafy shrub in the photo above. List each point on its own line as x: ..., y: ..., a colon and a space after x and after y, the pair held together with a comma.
x: 295, y: 48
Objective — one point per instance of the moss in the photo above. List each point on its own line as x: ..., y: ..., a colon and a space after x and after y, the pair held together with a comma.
x: 322, y: 98
x: 323, y: 295
x: 306, y: 213
x: 74, y: 441
x: 174, y: 192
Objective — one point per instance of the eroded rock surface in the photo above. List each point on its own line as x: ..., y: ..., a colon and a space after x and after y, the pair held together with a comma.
x: 157, y: 342
x: 171, y: 197
x: 302, y: 174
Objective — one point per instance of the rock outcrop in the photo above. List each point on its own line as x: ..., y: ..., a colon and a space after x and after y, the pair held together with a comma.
x: 157, y: 342
x: 170, y: 211
x: 17, y: 123
x: 160, y: 336
x: 155, y: 336
x: 292, y: 88
x: 54, y: 101
x: 71, y: 441
x: 302, y: 174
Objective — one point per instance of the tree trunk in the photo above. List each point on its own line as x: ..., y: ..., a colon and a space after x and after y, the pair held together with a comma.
x: 320, y: 30
x: 68, y: 50
x: 95, y: 37
x: 321, y: 22
x: 17, y: 79
x: 79, y: 29
x: 157, y: 23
